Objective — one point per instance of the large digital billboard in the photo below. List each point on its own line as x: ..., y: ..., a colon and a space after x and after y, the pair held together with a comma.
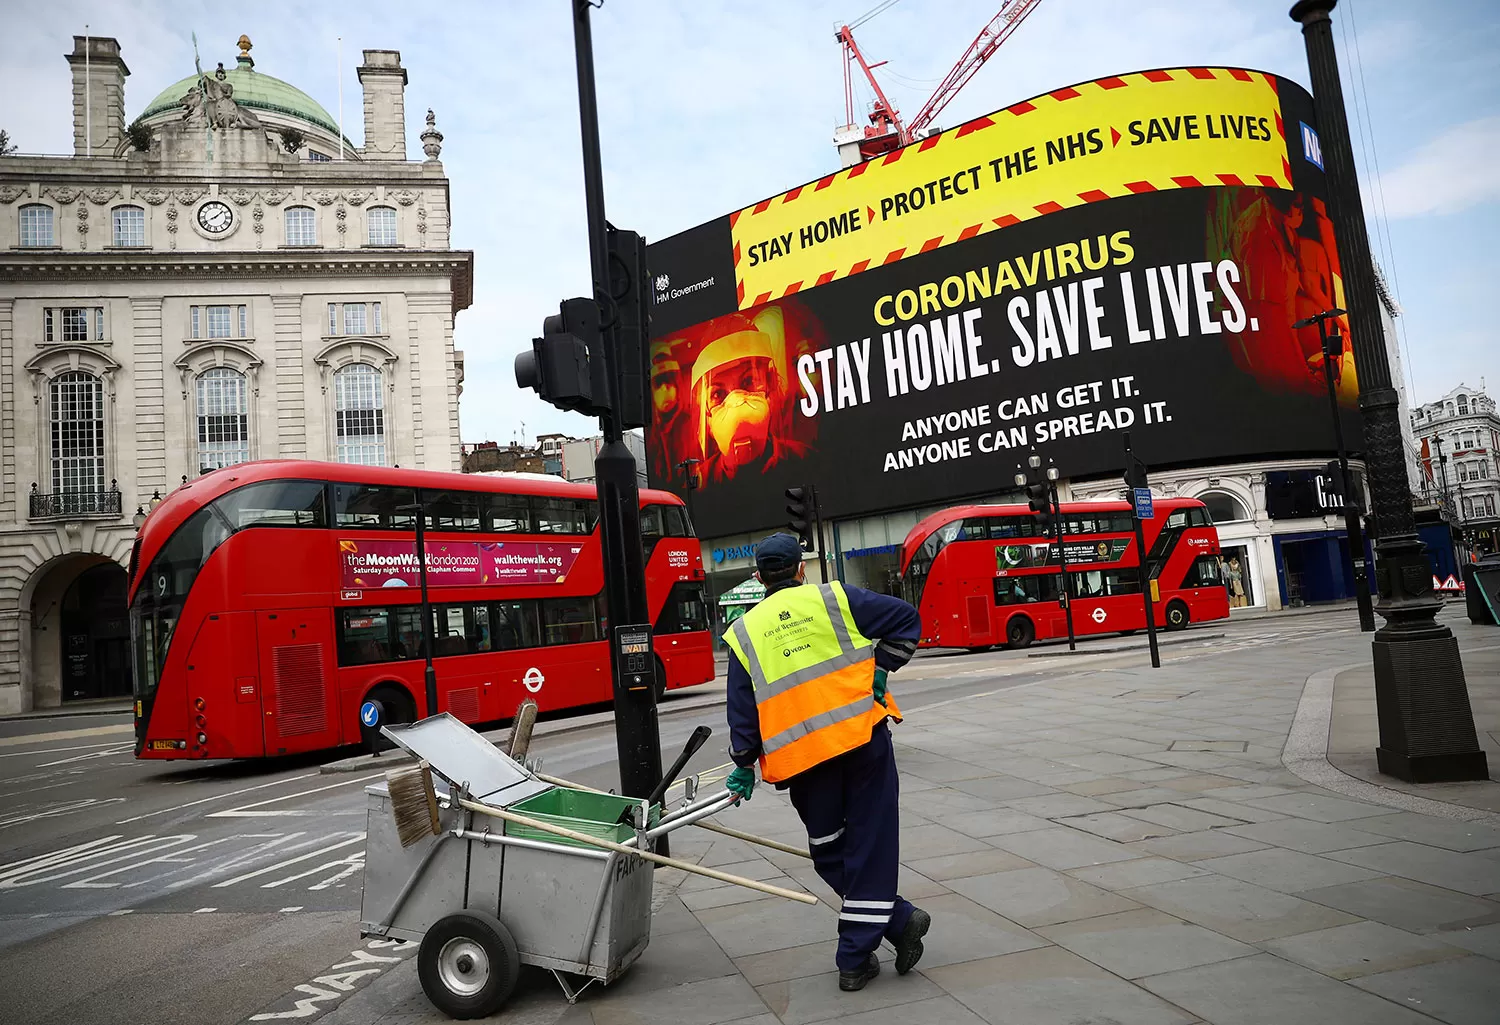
x: 1127, y: 254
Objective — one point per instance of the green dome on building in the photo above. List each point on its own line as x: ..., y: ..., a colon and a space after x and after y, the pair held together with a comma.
x: 255, y: 90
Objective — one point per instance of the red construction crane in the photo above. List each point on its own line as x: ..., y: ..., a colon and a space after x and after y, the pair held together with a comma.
x: 886, y: 131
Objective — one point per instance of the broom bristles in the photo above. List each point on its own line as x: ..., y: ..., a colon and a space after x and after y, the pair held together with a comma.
x: 520, y: 730
x: 413, y: 803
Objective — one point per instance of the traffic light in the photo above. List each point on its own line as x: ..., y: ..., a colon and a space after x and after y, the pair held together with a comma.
x: 799, y: 509
x: 629, y: 284
x: 558, y: 365
x: 1040, y: 497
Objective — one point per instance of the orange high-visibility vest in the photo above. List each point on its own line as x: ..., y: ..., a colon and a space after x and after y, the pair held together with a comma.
x: 813, y: 674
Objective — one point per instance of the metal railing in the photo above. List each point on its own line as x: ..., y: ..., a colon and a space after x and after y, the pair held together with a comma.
x: 72, y: 504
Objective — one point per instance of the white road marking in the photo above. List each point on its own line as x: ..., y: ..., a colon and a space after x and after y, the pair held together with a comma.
x: 84, y: 855
x: 239, y: 859
x: 37, y: 790
x: 294, y: 907
x: 338, y: 982
x: 290, y: 797
x: 204, y: 911
x: 54, y: 750
x: 124, y: 911
x: 350, y: 865
x: 42, y: 738
x: 357, y: 838
x: 216, y: 797
x: 64, y: 809
x: 284, y: 813
x: 174, y: 857
x: 108, y: 752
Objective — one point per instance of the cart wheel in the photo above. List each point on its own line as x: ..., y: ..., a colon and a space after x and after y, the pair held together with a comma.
x: 468, y: 964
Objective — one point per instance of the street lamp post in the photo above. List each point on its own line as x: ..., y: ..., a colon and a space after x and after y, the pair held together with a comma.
x: 1421, y: 698
x: 688, y: 469
x: 1333, y: 346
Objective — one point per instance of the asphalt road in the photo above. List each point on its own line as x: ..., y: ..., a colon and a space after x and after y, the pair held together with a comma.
x: 215, y: 893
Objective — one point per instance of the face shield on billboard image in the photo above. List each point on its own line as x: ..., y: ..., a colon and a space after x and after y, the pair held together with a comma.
x: 1284, y: 243
x: 735, y: 415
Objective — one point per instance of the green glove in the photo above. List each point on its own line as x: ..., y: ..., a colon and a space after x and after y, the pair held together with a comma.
x: 740, y: 782
x: 880, y: 687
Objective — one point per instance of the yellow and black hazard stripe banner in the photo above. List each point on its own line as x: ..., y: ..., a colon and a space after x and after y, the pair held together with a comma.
x: 1144, y: 132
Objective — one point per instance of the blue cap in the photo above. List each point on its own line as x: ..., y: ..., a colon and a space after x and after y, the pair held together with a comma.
x: 778, y: 552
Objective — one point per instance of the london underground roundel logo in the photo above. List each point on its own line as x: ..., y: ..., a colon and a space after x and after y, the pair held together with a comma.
x: 1098, y: 615
x: 533, y: 679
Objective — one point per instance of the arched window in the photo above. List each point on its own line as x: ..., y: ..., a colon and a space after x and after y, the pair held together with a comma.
x: 1463, y: 405
x: 301, y: 226
x: 77, y: 432
x: 36, y: 225
x: 382, y: 223
x: 1224, y: 507
x: 359, y: 415
x: 223, y: 419
x: 130, y: 226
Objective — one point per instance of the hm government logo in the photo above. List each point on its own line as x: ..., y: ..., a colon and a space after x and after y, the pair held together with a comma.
x: 785, y: 616
x: 666, y: 293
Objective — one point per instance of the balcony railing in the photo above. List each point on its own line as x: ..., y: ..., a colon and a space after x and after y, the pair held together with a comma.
x: 76, y: 504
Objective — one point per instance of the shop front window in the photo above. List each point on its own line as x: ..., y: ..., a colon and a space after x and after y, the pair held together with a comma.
x: 1235, y: 569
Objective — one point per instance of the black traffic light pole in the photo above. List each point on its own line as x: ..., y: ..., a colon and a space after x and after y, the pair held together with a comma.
x: 1061, y: 530
x: 1135, y: 477
x: 637, y: 736
x: 1422, y: 700
x: 429, y: 673
x: 1331, y: 342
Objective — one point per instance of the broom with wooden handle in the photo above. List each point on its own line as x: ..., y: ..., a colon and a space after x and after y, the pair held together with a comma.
x: 409, y: 790
x: 520, y: 730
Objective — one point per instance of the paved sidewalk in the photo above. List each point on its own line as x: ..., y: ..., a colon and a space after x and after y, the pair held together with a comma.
x: 1120, y: 846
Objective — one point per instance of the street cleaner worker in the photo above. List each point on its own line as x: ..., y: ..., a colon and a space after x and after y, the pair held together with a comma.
x: 807, y: 698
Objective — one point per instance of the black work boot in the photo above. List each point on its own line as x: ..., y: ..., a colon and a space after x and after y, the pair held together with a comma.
x: 851, y: 981
x: 909, y: 950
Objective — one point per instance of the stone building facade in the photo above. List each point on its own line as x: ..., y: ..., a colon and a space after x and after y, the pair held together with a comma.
x: 1457, y: 439
x: 209, y: 285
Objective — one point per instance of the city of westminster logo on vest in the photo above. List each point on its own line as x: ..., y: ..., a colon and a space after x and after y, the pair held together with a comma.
x: 785, y: 615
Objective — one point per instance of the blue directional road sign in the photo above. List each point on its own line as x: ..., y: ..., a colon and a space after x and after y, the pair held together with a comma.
x: 369, y: 713
x: 1143, y: 507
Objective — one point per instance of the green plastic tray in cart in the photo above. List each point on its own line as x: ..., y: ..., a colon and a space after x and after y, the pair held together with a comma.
x: 579, y: 810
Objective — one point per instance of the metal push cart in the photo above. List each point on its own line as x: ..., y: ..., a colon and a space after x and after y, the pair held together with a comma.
x: 484, y: 899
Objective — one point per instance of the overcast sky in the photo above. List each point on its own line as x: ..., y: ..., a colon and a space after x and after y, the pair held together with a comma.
x: 708, y: 106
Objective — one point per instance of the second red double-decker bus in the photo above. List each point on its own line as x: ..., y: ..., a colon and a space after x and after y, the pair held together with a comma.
x: 270, y: 601
x: 984, y: 575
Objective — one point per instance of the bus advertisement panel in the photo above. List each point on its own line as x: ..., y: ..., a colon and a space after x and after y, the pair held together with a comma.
x: 1127, y: 254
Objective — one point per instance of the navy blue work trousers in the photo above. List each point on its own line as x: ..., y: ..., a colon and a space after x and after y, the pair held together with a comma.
x: 849, y: 805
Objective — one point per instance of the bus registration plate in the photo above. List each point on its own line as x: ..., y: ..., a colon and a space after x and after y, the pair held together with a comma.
x: 164, y: 745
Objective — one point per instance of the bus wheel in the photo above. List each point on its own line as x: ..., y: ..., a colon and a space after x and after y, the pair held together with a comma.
x: 1177, y: 615
x: 468, y: 964
x: 1019, y: 632
x: 661, y: 679
x: 395, y: 707
x: 980, y: 649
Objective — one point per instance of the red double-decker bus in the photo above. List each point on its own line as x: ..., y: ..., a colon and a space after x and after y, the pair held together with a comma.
x: 984, y: 575
x: 269, y: 601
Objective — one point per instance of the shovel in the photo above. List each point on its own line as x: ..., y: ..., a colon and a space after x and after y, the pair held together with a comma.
x: 697, y: 740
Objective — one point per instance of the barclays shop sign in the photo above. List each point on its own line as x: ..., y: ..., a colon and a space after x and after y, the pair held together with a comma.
x: 733, y: 553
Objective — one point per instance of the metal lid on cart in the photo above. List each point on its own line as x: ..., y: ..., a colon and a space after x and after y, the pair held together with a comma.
x: 464, y: 758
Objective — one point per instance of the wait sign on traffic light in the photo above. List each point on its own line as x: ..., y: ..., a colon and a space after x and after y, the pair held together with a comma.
x: 799, y: 510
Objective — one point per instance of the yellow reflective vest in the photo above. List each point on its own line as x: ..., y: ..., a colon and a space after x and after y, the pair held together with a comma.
x: 813, y: 674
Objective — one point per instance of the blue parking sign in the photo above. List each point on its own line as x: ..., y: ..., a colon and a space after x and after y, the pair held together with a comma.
x: 369, y: 713
x: 1143, y: 507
